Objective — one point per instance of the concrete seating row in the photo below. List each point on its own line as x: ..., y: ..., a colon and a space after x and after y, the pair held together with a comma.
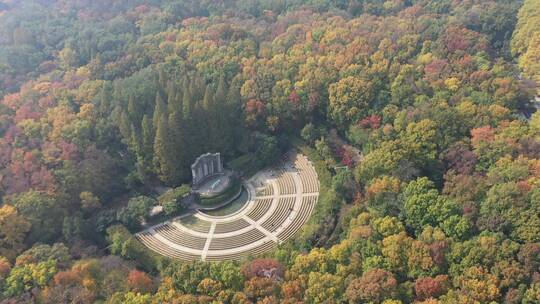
x: 159, y: 247
x: 230, y: 226
x: 195, y: 224
x: 280, y: 214
x: 265, y: 247
x: 177, y: 236
x: 308, y: 203
x: 240, y: 240
x: 260, y: 208
x: 285, y: 183
x: 308, y: 175
x: 266, y: 191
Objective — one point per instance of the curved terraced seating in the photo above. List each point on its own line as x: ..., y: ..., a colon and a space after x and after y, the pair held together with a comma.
x: 309, y: 182
x: 282, y: 203
x: 231, y: 226
x: 156, y: 245
x: 195, y: 224
x: 285, y: 206
x: 285, y: 183
x: 308, y: 203
x: 260, y: 209
x: 236, y: 241
x: 260, y: 249
x: 177, y: 236
x: 266, y: 191
x: 308, y: 175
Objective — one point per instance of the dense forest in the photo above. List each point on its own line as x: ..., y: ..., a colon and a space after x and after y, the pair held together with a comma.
x: 417, y: 114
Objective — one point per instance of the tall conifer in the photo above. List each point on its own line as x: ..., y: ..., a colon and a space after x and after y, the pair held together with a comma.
x: 163, y: 151
x: 147, y: 131
x: 159, y: 110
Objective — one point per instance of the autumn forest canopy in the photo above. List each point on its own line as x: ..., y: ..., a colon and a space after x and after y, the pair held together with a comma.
x: 418, y: 116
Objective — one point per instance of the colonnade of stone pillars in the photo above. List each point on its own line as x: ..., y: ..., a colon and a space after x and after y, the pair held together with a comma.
x: 206, y: 165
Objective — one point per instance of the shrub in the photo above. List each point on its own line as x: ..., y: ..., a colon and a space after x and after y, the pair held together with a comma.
x: 123, y: 243
x: 174, y: 194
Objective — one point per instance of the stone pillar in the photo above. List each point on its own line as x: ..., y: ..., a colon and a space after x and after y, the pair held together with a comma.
x: 220, y: 166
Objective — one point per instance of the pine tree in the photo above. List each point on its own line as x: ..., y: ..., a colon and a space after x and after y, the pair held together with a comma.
x: 162, y: 78
x: 164, y: 162
x: 176, y: 124
x: 208, y: 100
x: 134, y: 112
x: 234, y: 115
x: 136, y: 141
x: 147, y: 136
x: 105, y: 99
x: 145, y: 157
x: 221, y: 91
x: 233, y: 95
x: 187, y: 101
x: 117, y: 91
x: 171, y: 95
x: 163, y: 152
x: 209, y: 115
x: 178, y: 133
x: 223, y: 140
x: 159, y: 110
x: 188, y: 143
x: 175, y: 100
x: 124, y: 125
x: 198, y: 87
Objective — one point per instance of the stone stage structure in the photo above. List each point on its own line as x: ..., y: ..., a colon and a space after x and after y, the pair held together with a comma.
x: 205, y: 167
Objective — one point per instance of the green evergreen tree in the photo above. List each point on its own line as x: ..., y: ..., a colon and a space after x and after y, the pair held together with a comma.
x: 162, y: 78
x: 190, y: 132
x: 175, y: 100
x: 221, y: 91
x: 163, y: 152
x: 178, y: 134
x: 198, y: 87
x: 147, y: 136
x: 134, y: 112
x: 234, y: 116
x: 171, y: 95
x: 125, y: 127
x: 136, y: 141
x: 187, y: 100
x: 208, y: 100
x: 159, y: 110
x: 209, y: 116
x: 224, y: 136
x: 144, y: 158
x: 105, y: 99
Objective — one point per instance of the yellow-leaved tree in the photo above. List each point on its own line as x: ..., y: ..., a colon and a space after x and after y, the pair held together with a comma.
x: 526, y: 40
x: 13, y: 229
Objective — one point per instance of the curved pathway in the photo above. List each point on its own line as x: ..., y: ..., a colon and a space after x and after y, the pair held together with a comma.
x: 254, y: 229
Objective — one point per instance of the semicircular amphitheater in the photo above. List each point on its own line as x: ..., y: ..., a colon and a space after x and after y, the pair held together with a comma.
x: 280, y: 201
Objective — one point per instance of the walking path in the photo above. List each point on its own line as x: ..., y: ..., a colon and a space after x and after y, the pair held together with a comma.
x: 208, y: 240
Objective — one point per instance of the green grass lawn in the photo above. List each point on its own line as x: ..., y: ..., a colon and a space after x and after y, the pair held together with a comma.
x: 227, y: 194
